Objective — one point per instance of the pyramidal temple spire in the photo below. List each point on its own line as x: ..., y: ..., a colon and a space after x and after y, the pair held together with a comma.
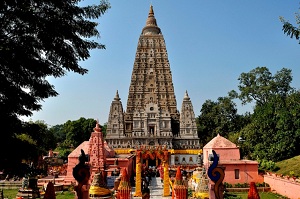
x: 151, y: 25
x: 151, y: 116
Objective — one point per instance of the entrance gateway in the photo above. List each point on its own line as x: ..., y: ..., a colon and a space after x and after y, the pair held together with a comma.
x: 157, y: 153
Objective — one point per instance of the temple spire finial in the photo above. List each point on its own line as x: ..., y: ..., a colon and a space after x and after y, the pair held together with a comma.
x: 151, y: 12
x: 117, y: 96
x: 151, y: 25
x: 186, y: 96
x: 97, y: 127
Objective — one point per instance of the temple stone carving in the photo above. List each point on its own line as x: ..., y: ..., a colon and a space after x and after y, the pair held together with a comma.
x: 151, y: 116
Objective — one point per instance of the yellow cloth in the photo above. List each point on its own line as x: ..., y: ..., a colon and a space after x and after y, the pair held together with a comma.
x: 99, y: 191
x: 202, y: 195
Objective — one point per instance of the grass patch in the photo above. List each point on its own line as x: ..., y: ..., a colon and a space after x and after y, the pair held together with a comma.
x: 65, y: 195
x: 286, y: 166
x: 12, y: 193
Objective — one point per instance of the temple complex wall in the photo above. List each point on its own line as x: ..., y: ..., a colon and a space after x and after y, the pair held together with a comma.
x: 286, y: 187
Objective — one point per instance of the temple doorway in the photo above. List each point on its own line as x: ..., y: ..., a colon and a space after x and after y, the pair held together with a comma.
x: 152, y: 162
x: 151, y: 129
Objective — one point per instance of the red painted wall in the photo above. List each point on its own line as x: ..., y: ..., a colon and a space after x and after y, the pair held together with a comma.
x: 288, y: 188
x: 247, y: 173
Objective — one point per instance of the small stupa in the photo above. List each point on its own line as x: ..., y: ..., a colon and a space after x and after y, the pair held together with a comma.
x: 98, y: 188
x: 124, y: 189
x: 179, y: 189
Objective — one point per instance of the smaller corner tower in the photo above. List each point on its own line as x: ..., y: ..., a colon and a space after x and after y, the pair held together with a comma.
x: 188, y: 127
x: 115, y: 124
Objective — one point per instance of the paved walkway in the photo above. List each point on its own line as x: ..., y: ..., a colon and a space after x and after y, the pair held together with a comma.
x: 156, y: 189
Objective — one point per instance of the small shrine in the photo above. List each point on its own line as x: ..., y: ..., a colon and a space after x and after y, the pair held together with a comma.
x: 237, y: 170
x: 179, y: 190
x: 124, y: 189
x: 200, y: 183
x: 98, y: 189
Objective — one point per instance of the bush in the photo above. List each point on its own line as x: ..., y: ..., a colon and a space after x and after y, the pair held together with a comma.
x: 227, y: 185
x: 267, y: 165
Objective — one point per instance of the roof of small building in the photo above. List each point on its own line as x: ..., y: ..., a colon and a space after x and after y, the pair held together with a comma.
x: 220, y: 142
x: 84, y: 146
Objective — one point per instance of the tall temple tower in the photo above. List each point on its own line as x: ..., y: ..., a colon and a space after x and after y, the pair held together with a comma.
x: 151, y: 116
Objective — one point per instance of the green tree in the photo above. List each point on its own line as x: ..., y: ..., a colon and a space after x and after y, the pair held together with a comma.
x: 259, y: 85
x: 274, y: 128
x: 39, y: 39
x: 78, y: 131
x: 289, y: 29
x: 218, y: 117
x: 103, y: 128
x: 72, y: 133
x: 58, y: 132
x: 33, y: 141
x: 274, y: 131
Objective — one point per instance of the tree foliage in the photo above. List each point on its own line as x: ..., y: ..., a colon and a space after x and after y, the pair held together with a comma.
x: 289, y: 29
x: 218, y: 117
x: 273, y: 133
x: 78, y: 131
x: 260, y: 85
x: 32, y: 142
x: 40, y: 39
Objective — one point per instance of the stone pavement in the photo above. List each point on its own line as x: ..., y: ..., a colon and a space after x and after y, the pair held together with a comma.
x: 156, y: 189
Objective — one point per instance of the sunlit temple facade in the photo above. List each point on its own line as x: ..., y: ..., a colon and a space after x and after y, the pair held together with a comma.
x: 151, y: 116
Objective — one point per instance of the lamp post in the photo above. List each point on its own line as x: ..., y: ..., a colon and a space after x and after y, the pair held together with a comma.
x: 241, y: 140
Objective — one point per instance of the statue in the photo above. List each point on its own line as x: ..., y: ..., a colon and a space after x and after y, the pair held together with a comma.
x: 216, y: 174
x: 81, y: 173
x: 25, y: 183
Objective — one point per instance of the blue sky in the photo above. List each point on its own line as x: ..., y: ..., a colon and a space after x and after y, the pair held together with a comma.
x: 209, y: 44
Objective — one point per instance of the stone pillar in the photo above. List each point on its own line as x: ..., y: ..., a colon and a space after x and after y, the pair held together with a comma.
x: 138, y: 176
x: 172, y: 159
x: 166, y: 180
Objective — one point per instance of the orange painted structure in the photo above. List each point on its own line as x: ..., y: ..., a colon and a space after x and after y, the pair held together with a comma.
x: 101, y: 157
x: 236, y: 170
x: 283, y: 186
x: 253, y: 193
x: 124, y: 189
x: 179, y: 190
